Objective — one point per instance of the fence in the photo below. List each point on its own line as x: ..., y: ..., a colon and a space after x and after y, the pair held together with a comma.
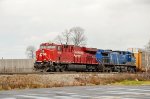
x: 16, y: 65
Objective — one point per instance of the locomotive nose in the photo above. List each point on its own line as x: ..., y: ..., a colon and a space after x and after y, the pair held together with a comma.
x: 43, y: 53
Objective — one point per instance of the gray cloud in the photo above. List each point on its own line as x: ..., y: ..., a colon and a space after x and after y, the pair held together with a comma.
x: 110, y: 24
x: 142, y: 1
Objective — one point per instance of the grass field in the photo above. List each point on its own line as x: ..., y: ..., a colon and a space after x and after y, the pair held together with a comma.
x: 132, y: 83
x: 8, y: 82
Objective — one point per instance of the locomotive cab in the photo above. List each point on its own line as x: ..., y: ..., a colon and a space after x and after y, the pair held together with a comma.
x: 46, y: 52
x: 45, y: 55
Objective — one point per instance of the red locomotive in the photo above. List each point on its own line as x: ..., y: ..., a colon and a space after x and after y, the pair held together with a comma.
x: 53, y: 57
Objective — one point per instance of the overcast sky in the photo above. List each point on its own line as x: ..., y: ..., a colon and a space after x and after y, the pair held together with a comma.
x: 108, y: 24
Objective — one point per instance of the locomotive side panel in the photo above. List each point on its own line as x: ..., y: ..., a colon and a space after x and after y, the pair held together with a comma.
x: 76, y: 55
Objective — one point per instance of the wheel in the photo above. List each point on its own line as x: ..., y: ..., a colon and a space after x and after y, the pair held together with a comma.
x: 109, y: 70
x: 62, y: 68
x: 132, y: 70
x: 51, y: 69
x: 98, y: 68
x: 57, y: 69
x: 93, y: 70
x: 118, y: 70
x: 89, y: 68
x: 102, y: 68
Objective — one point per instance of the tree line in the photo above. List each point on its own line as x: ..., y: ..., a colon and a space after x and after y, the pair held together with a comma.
x: 74, y: 36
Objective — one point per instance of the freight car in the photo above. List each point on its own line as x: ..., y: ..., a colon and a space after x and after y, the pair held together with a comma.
x: 142, y: 59
x: 59, y: 58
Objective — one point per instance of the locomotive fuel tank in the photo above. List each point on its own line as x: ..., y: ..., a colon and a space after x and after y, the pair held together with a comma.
x: 72, y: 67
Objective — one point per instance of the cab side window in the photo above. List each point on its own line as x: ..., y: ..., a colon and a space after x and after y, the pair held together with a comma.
x: 59, y: 48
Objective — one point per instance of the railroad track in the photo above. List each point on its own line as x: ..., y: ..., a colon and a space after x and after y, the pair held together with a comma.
x: 26, y: 73
x: 41, y: 73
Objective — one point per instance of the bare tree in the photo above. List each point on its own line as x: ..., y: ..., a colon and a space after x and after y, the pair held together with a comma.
x: 148, y: 46
x: 77, y: 36
x: 147, y: 55
x: 73, y: 36
x: 58, y: 39
x: 30, y: 52
x: 66, y: 35
x: 64, y: 38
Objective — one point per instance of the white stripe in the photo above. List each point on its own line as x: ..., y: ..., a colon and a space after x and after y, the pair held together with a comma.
x: 36, y: 97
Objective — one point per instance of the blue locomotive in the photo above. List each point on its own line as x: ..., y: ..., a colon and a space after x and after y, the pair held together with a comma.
x: 116, y: 61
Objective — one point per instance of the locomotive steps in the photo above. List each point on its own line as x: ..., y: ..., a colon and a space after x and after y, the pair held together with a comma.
x: 18, y: 81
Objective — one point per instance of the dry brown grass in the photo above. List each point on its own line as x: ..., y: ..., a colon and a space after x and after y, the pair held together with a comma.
x: 8, y: 82
x: 98, y: 80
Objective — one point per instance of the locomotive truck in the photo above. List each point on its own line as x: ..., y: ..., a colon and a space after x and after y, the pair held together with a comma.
x: 51, y: 57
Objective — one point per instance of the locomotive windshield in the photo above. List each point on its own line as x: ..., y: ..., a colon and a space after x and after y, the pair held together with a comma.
x: 47, y: 47
x: 51, y: 47
x: 42, y: 47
